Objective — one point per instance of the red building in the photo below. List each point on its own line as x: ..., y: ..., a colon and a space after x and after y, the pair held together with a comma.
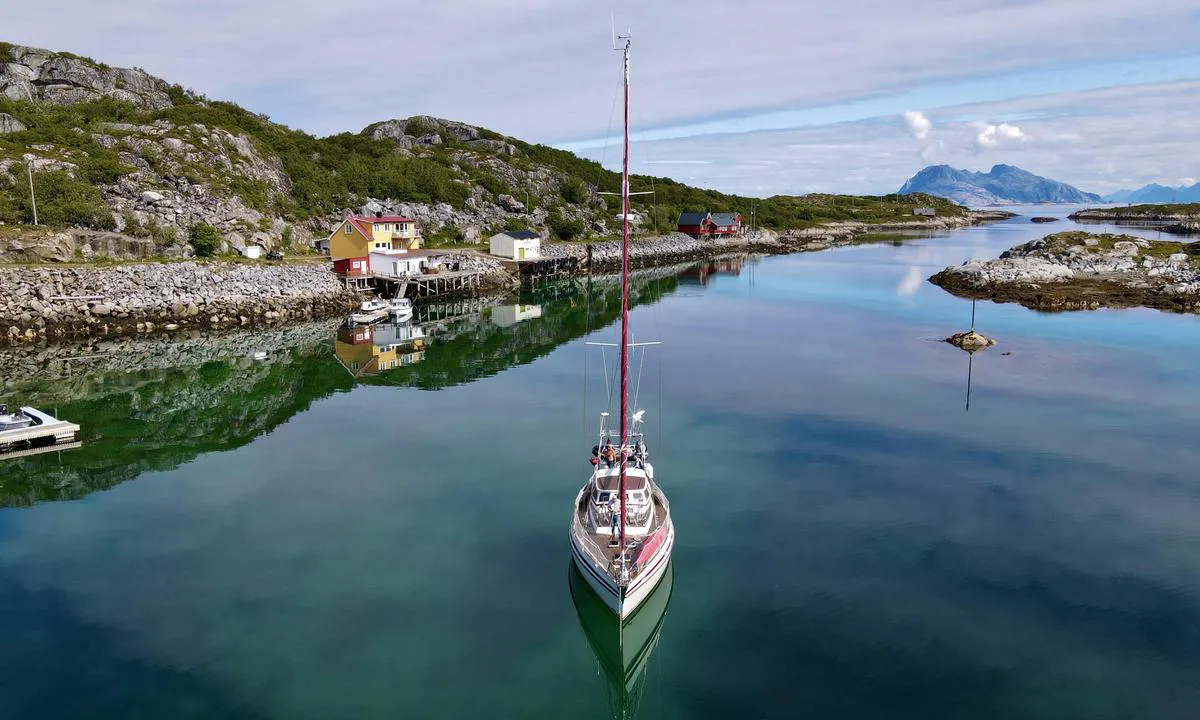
x: 352, y: 267
x: 700, y: 225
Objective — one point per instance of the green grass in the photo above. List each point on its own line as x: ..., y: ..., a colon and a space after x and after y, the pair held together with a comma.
x: 331, y: 173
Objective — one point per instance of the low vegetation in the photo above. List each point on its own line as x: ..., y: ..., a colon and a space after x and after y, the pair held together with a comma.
x: 326, y: 175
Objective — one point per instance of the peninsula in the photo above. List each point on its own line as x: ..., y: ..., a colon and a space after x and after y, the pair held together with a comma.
x: 1178, y: 219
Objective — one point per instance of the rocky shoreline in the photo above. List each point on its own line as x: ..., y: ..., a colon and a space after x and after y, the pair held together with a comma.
x: 81, y: 300
x: 1082, y: 271
x: 85, y: 300
x: 1157, y: 217
x: 677, y: 247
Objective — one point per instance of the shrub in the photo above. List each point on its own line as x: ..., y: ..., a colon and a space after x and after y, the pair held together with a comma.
x: 103, y: 167
x: 563, y: 227
x: 575, y: 192
x: 66, y: 201
x: 204, y: 239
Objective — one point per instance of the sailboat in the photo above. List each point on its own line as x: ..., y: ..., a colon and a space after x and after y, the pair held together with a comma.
x: 621, y: 529
x: 622, y: 647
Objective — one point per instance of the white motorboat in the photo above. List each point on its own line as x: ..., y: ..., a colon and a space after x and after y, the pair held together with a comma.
x: 15, y: 420
x: 400, y: 308
x: 621, y: 529
x: 371, y: 311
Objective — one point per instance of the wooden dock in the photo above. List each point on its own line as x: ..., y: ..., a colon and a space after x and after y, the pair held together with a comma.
x: 418, y: 285
x: 538, y: 270
x: 47, y: 433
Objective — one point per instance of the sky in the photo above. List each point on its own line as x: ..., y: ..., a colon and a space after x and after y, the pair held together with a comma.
x: 757, y: 97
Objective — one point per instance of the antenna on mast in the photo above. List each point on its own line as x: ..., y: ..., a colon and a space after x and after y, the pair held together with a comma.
x: 613, y: 19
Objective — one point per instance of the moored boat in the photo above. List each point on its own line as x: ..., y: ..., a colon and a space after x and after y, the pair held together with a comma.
x: 621, y: 529
x: 370, y: 311
x: 15, y: 420
x: 400, y: 308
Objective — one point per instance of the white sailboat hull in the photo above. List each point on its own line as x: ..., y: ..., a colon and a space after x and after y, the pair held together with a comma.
x: 623, y: 602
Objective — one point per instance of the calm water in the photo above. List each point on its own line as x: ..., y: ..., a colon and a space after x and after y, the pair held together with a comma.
x: 281, y: 539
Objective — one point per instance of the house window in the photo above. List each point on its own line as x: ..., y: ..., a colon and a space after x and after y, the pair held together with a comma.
x: 375, y: 227
x: 348, y: 229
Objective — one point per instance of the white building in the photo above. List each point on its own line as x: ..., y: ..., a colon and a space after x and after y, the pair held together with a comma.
x: 517, y: 245
x: 253, y: 251
x: 400, y: 264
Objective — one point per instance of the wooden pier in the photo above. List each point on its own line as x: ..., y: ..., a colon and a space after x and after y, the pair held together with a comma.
x: 417, y: 286
x: 539, y: 270
x: 47, y: 433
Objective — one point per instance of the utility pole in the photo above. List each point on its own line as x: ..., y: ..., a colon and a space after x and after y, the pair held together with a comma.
x: 32, y: 197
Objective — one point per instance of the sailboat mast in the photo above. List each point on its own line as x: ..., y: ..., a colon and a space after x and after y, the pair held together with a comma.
x: 624, y: 301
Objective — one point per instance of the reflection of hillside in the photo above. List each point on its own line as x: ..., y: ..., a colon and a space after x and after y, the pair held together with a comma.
x: 475, y: 349
x: 158, y: 419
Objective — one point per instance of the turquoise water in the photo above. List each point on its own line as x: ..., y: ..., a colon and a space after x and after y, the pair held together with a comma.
x: 283, y: 540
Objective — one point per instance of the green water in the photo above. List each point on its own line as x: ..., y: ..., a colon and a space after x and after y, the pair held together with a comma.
x: 282, y: 539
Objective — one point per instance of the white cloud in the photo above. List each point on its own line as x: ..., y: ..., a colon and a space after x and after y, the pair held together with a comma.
x: 918, y: 124
x: 991, y: 136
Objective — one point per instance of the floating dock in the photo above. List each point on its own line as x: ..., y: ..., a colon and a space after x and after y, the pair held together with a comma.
x: 45, y: 434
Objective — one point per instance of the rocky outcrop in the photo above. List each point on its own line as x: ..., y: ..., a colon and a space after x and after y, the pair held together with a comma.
x: 34, y: 75
x: 970, y: 341
x: 9, y: 124
x: 1174, y: 219
x: 1072, y: 271
x: 142, y: 298
x: 1043, y: 219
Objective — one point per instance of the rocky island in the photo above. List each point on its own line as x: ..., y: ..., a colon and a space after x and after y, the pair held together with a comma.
x: 1082, y: 271
x: 1178, y: 219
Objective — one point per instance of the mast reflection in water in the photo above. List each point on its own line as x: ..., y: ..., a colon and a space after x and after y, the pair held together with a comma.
x: 622, y: 648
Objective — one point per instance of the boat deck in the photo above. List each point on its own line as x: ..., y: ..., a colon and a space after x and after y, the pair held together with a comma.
x: 597, y: 545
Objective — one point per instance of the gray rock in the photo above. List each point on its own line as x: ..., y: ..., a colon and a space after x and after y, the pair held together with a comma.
x: 511, y: 204
x: 9, y: 124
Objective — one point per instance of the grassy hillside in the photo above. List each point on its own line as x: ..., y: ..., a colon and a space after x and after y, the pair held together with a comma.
x: 98, y: 153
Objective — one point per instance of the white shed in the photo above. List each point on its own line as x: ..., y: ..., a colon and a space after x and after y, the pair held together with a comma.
x: 253, y: 251
x: 517, y: 245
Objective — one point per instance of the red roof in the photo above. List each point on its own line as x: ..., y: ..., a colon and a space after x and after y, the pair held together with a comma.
x: 385, y: 219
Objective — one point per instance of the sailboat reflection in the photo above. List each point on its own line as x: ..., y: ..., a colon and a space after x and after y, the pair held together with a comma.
x: 622, y: 648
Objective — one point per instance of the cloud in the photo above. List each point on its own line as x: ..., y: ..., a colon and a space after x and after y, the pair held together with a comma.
x: 918, y: 124
x: 911, y: 282
x: 991, y: 136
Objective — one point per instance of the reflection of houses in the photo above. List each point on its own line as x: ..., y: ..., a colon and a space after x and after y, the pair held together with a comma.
x: 701, y: 273
x: 508, y: 315
x: 370, y: 349
x: 700, y: 225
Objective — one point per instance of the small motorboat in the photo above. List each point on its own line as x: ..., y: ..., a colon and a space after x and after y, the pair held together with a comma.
x: 13, y: 421
x: 371, y: 311
x: 400, y: 308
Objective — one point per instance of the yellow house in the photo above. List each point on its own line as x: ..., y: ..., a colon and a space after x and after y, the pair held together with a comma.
x: 357, y: 237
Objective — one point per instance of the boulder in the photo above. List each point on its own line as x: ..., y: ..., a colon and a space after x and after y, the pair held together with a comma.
x: 970, y: 341
x: 9, y: 124
x: 510, y: 203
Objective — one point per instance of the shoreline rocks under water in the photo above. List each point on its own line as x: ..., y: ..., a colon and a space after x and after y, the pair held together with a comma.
x: 1081, y: 271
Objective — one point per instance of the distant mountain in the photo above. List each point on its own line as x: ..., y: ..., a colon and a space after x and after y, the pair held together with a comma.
x: 1002, y: 185
x: 1155, y: 193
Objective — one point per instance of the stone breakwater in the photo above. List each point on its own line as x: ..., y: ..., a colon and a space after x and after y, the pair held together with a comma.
x: 1078, y: 271
x: 677, y: 247
x: 122, y: 299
